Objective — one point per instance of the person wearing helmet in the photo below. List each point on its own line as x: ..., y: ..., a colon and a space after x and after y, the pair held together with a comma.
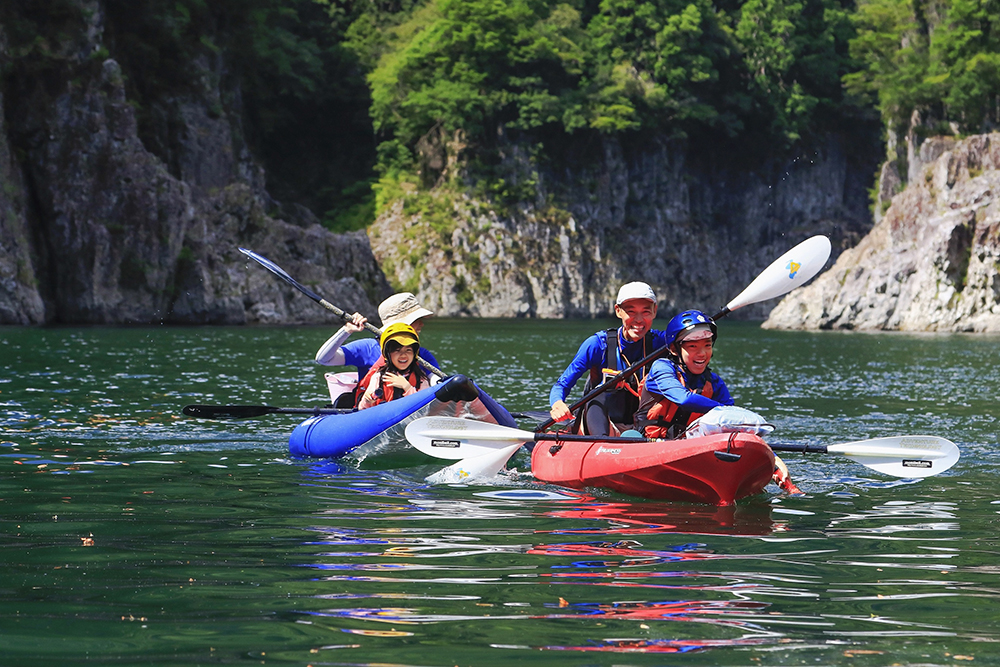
x: 682, y: 387
x: 397, y: 373
x: 606, y: 353
x: 366, y: 352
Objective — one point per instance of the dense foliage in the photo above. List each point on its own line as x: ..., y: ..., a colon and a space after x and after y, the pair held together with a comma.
x: 336, y: 92
x: 679, y: 67
x: 939, y: 58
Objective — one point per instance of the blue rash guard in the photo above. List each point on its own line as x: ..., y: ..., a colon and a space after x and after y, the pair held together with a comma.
x: 663, y: 380
x: 364, y: 352
x: 593, y: 353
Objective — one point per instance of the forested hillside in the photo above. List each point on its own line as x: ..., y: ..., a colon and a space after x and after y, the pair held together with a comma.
x: 762, y: 76
x: 530, y: 122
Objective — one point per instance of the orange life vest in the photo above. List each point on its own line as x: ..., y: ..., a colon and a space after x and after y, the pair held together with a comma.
x: 386, y: 390
x: 659, y: 417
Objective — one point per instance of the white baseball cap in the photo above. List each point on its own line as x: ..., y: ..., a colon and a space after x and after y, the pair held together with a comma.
x: 635, y: 290
x: 402, y: 307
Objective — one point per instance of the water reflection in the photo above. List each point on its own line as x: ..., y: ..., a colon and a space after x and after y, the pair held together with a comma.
x: 207, y: 534
x: 481, y: 556
x: 661, y: 645
x: 888, y: 522
x: 637, y: 518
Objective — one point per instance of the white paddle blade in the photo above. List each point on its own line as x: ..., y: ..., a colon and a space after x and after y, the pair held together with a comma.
x: 791, y: 270
x: 483, y: 466
x: 455, y: 438
x: 906, y: 456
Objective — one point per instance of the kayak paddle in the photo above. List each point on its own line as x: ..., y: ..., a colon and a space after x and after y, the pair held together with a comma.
x: 791, y: 270
x: 249, y: 411
x: 483, y: 466
x: 281, y: 273
x: 907, y: 456
x: 457, y: 438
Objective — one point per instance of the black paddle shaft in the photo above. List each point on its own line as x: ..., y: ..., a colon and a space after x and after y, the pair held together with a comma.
x: 250, y: 411
x: 281, y: 273
x: 623, y: 375
x: 805, y: 449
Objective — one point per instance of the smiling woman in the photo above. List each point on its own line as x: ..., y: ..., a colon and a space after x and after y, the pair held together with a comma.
x: 681, y: 388
x: 397, y: 374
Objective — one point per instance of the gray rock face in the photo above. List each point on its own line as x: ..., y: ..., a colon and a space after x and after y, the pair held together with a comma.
x: 95, y: 228
x: 20, y: 301
x: 932, y: 263
x: 697, y: 233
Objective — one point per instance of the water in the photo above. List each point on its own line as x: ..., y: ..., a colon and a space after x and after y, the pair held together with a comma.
x: 134, y: 535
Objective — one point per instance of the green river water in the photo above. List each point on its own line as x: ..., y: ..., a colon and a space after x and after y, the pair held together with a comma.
x: 134, y: 535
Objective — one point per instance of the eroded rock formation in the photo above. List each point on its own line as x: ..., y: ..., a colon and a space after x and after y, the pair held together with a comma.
x: 95, y: 227
x: 697, y: 231
x: 932, y: 263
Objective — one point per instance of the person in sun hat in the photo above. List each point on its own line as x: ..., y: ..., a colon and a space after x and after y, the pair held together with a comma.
x: 682, y: 387
x: 403, y: 307
x: 397, y: 372
x: 603, y: 355
x: 365, y: 352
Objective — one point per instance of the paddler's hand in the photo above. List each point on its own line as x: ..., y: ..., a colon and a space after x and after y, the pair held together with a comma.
x: 782, y: 478
x: 357, y: 323
x: 560, y: 411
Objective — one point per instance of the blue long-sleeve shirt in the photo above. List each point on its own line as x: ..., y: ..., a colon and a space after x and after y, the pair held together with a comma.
x: 593, y: 353
x: 663, y: 380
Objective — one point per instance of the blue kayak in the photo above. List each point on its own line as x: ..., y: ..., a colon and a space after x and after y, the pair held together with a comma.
x: 379, y: 429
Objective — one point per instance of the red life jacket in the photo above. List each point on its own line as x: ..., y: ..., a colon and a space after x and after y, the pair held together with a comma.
x: 415, y: 377
x: 659, y: 417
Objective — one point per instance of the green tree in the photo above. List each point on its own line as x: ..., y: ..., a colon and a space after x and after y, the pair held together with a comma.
x: 941, y: 58
x: 892, y: 45
x: 475, y: 66
x: 964, y: 69
x: 796, y: 52
x: 659, y: 64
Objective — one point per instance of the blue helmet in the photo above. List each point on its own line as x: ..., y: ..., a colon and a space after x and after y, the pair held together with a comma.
x: 687, y: 321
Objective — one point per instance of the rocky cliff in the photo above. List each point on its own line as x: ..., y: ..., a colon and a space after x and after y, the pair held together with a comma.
x: 96, y: 227
x: 697, y: 229
x: 932, y: 263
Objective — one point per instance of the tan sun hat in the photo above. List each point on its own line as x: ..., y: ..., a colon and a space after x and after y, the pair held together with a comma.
x: 402, y: 307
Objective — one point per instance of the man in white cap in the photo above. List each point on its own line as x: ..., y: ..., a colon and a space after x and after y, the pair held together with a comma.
x: 364, y: 353
x: 606, y: 353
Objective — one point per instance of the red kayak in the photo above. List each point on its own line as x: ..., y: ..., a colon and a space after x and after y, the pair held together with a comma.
x: 716, y: 469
